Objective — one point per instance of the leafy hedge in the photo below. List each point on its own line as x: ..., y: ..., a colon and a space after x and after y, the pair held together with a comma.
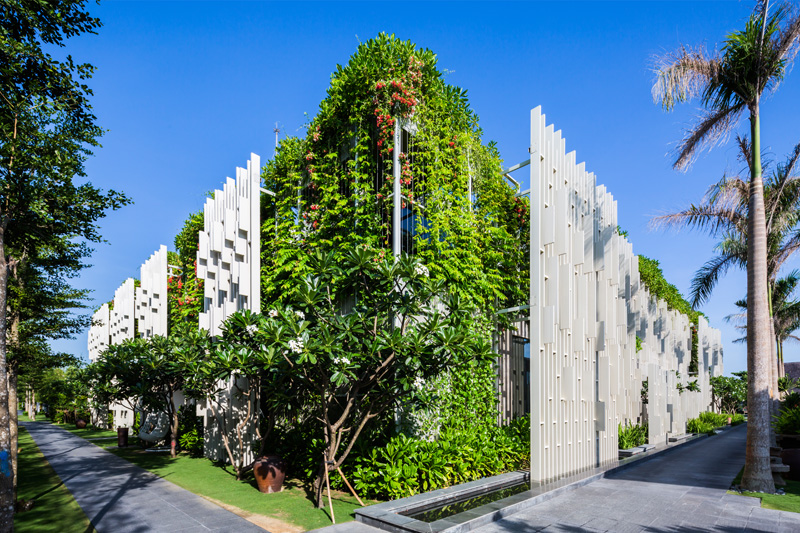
x: 190, y: 431
x: 407, y: 466
x: 631, y: 435
x: 788, y: 421
x: 695, y: 425
x: 717, y: 419
x: 653, y: 278
x: 707, y: 422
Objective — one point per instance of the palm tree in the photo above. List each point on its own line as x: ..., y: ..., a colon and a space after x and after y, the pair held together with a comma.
x: 752, y: 61
x: 785, y: 312
x: 723, y: 213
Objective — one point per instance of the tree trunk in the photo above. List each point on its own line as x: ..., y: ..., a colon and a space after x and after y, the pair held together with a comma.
x: 775, y: 394
x: 13, y: 407
x: 174, y: 427
x: 757, y: 472
x: 224, y: 435
x: 319, y: 485
x: 6, y: 466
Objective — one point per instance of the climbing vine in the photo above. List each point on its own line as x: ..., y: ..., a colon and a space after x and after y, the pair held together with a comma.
x: 335, y: 187
x: 184, y: 290
x: 389, y: 115
x: 653, y: 278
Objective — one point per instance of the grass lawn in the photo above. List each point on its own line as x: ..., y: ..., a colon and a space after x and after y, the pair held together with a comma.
x: 293, y: 505
x: 786, y: 502
x: 55, y: 508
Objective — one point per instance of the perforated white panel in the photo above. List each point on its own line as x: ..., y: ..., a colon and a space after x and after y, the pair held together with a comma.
x: 98, y: 333
x: 587, y: 308
x: 229, y: 253
x: 151, y: 295
x: 122, y: 316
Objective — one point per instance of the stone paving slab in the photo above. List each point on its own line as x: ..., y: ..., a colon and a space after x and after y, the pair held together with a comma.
x: 120, y: 497
x: 685, y: 490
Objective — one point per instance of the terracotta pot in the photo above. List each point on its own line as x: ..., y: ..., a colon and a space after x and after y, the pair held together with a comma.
x: 270, y: 471
x: 791, y: 457
x: 80, y: 423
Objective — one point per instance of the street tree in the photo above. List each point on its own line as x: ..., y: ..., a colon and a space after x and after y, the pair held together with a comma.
x: 723, y: 214
x: 47, y: 130
x: 729, y: 84
x: 402, y: 329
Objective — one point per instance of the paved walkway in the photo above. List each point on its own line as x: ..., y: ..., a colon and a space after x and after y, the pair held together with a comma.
x: 682, y: 491
x: 119, y: 497
x: 685, y: 490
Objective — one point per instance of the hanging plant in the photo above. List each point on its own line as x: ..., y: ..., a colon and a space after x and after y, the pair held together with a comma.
x: 335, y: 187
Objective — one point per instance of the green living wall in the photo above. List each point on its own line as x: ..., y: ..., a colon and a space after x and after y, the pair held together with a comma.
x: 334, y: 192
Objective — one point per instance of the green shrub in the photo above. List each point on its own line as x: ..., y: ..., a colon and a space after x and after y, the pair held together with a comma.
x: 736, y: 419
x: 715, y: 419
x: 787, y: 422
x: 791, y: 400
x: 696, y: 425
x: 407, y: 466
x: 190, y: 431
x: 631, y: 435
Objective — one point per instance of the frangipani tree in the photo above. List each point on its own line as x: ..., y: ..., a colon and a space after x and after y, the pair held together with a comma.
x: 362, y: 333
x: 119, y: 376
x: 164, y: 365
x: 238, y: 359
x: 730, y: 83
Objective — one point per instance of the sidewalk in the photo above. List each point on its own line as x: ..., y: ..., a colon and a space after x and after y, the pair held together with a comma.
x: 685, y: 490
x: 119, y: 497
x: 682, y: 491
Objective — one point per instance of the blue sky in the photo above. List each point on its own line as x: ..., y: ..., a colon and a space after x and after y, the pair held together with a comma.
x: 187, y: 90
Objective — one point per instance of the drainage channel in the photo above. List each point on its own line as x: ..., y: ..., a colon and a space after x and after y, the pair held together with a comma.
x: 440, y: 511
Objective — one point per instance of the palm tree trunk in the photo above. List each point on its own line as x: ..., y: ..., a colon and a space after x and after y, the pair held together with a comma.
x: 757, y: 472
x: 775, y: 394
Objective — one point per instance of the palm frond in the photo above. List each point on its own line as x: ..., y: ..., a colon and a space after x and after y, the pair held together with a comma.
x: 682, y: 76
x: 731, y: 192
x: 782, y: 194
x: 734, y: 245
x: 787, y: 168
x: 707, y: 277
x: 702, y: 217
x: 745, y: 152
x: 713, y: 128
x: 788, y: 37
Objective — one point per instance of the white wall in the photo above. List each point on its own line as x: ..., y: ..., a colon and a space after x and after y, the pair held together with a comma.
x: 229, y: 252
x: 122, y: 316
x: 229, y: 263
x: 151, y: 295
x: 99, y: 333
x: 587, y: 307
